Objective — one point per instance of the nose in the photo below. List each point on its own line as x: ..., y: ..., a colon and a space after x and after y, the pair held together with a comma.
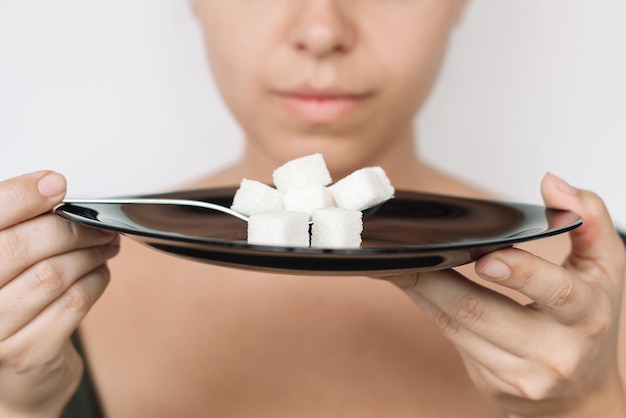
x: 322, y: 28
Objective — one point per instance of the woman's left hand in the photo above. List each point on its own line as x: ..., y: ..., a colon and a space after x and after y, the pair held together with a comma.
x: 558, y: 355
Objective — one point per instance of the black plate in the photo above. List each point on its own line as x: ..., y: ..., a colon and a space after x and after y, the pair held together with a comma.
x: 412, y: 232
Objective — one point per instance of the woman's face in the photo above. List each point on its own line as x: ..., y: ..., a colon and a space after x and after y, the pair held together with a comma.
x: 342, y: 77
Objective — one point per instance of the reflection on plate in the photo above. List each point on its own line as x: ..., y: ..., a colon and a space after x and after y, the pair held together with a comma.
x: 412, y: 232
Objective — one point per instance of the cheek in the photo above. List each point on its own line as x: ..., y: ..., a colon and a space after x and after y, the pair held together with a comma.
x: 235, y: 58
x: 232, y: 70
x: 411, y: 61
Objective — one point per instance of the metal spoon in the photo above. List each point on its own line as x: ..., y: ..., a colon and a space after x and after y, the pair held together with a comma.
x: 181, y: 202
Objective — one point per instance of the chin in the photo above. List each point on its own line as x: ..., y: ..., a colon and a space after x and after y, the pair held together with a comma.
x: 344, y: 150
x: 341, y: 158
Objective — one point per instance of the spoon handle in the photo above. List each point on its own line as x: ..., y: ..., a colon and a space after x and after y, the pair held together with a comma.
x: 158, y: 201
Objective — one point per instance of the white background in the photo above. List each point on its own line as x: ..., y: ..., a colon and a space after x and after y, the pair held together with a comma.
x: 117, y: 96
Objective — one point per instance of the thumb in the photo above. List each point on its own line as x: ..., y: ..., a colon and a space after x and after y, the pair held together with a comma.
x: 596, y: 240
x: 29, y: 195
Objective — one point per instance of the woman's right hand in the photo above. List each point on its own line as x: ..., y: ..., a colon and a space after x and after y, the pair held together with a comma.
x: 51, y: 273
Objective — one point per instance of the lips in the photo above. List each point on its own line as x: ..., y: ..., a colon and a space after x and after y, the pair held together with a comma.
x: 321, y: 106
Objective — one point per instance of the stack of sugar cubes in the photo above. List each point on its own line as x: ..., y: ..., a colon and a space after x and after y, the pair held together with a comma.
x: 303, y: 193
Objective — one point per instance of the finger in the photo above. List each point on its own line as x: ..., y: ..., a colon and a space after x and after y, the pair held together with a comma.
x: 25, y: 388
x: 27, y: 243
x: 45, y: 335
x: 23, y: 298
x: 487, y: 341
x: 513, y: 382
x: 496, y: 384
x: 464, y: 311
x: 470, y: 344
x: 491, y: 332
x: 554, y: 289
x: 595, y: 242
x: 27, y: 196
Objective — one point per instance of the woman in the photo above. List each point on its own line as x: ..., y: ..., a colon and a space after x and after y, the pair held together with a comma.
x: 174, y: 338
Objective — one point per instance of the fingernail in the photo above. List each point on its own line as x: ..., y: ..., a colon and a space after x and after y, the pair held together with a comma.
x: 562, y: 185
x: 51, y: 185
x: 495, y: 270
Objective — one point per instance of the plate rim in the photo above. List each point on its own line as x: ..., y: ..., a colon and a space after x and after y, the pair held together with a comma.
x: 575, y: 222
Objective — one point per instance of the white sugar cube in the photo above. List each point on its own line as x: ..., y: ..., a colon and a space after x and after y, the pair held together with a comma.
x: 363, y: 188
x: 307, y: 199
x: 253, y: 196
x: 301, y: 172
x: 279, y: 227
x: 336, y: 228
